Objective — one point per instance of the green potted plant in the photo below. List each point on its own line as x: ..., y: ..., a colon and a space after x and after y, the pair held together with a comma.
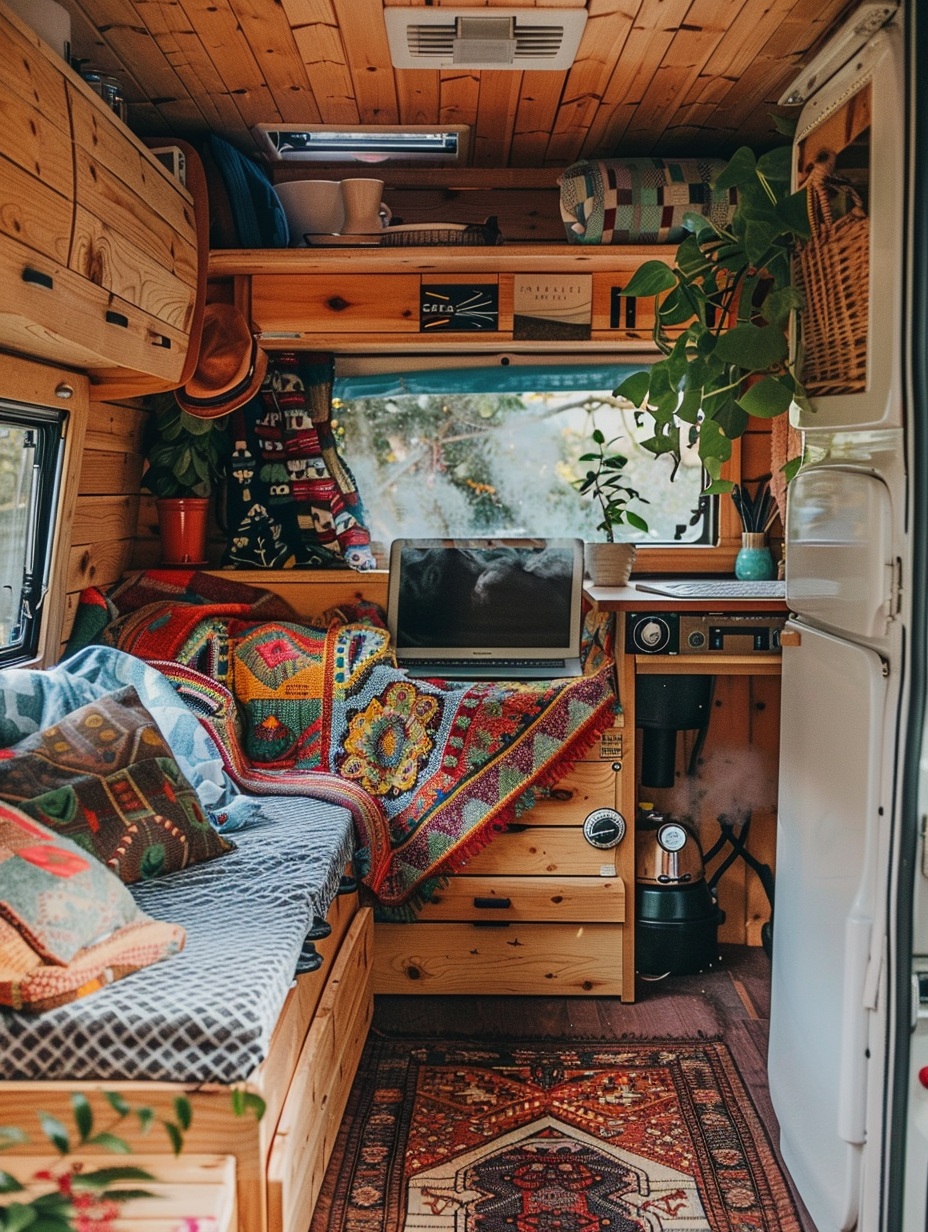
x: 186, y: 458
x: 610, y: 563
x: 729, y: 299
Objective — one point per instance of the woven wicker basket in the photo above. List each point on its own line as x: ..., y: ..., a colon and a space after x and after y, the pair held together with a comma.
x: 834, y: 275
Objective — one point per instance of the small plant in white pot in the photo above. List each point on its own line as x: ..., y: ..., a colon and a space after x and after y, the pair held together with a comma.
x: 610, y: 563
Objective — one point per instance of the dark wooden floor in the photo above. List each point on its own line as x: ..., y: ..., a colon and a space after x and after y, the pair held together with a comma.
x: 731, y: 1003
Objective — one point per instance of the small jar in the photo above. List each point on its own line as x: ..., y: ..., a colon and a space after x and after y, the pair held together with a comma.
x: 754, y: 563
x: 109, y: 89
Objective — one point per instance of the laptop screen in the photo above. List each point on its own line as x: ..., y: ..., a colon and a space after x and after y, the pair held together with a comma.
x: 480, y: 598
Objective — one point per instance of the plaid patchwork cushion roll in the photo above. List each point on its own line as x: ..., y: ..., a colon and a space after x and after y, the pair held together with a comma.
x: 640, y: 200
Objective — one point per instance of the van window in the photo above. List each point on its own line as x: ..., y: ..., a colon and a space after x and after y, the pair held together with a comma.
x: 30, y: 459
x: 490, y: 451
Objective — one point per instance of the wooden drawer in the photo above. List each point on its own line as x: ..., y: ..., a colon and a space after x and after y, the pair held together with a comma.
x: 34, y: 134
x: 321, y: 1082
x: 527, y: 899
x: 524, y: 959
x: 273, y: 1076
x: 590, y: 785
x: 134, y: 233
x: 542, y: 851
x: 342, y: 303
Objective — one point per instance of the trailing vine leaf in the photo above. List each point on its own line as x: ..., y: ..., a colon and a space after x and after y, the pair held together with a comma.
x: 110, y: 1142
x: 83, y: 1115
x: 117, y: 1102
x: 55, y: 1132
x: 101, y: 1178
x: 731, y: 288
x: 183, y: 1111
x: 11, y: 1135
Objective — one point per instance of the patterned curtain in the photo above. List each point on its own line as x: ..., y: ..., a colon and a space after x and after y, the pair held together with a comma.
x: 292, y: 501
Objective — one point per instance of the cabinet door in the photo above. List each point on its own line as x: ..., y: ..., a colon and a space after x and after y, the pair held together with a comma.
x: 291, y: 306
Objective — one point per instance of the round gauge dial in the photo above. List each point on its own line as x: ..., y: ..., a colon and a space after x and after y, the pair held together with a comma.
x: 672, y: 837
x: 604, y: 828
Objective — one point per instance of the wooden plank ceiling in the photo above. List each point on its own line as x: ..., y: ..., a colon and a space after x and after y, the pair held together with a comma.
x: 664, y: 77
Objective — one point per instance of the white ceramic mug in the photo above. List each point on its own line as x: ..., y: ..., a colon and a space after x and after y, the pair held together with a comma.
x: 312, y: 207
x: 365, y: 212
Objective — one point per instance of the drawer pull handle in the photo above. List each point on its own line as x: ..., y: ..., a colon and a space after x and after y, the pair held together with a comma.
x: 39, y: 277
x: 161, y: 340
x: 561, y: 793
x: 117, y: 318
x: 496, y: 904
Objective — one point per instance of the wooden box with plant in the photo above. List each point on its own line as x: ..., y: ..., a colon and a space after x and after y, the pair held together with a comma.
x: 186, y: 458
x: 732, y: 290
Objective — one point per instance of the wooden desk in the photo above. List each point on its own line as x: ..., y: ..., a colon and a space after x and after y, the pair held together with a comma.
x: 738, y: 766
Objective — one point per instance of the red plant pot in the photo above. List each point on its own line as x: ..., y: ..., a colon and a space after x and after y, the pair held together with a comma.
x: 182, y: 522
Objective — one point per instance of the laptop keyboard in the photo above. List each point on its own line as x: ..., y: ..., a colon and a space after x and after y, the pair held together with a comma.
x: 495, y: 664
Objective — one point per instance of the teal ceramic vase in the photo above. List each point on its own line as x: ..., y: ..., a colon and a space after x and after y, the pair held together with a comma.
x: 754, y: 562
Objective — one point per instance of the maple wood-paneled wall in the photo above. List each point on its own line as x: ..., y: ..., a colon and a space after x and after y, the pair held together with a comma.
x: 107, y: 507
x: 651, y: 76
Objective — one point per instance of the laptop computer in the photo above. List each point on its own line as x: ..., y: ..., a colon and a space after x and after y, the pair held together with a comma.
x: 469, y: 609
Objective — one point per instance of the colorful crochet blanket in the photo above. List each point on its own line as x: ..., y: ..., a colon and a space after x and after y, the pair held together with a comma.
x: 442, y: 766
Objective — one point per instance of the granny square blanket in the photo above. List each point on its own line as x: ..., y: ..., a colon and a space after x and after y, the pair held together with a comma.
x: 432, y: 769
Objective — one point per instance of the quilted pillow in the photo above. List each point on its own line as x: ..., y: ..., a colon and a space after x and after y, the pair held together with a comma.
x: 29, y: 983
x: 641, y: 200
x: 57, y: 897
x: 104, y: 777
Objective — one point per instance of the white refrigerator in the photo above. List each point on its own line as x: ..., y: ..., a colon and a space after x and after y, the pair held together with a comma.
x: 841, y: 690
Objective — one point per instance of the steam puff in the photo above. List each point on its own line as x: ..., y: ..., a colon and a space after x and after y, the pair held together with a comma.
x: 731, y: 782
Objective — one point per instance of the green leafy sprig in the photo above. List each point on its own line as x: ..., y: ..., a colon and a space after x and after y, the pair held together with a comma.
x: 732, y: 289
x: 186, y: 455
x: 604, y: 482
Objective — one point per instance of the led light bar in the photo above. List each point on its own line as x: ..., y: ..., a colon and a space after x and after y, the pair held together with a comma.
x: 365, y: 143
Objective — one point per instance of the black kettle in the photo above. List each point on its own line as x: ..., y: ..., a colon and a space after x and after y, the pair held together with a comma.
x: 677, y: 912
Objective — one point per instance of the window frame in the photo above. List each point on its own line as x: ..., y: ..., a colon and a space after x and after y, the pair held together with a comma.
x: 49, y: 423
x: 684, y: 558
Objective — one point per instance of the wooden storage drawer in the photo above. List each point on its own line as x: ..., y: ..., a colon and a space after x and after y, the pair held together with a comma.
x: 35, y: 135
x: 50, y: 311
x: 589, y: 785
x: 525, y: 899
x: 342, y: 303
x: 134, y: 233
x: 321, y: 1082
x: 542, y: 851
x: 526, y: 959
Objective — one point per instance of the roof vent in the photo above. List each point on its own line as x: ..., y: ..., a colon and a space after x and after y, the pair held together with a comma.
x: 508, y: 39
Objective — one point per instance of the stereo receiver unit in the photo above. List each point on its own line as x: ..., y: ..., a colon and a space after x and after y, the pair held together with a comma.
x: 706, y: 633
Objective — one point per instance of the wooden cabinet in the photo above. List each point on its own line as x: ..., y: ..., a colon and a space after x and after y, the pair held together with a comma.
x: 98, y: 244
x: 540, y: 911
x: 380, y: 298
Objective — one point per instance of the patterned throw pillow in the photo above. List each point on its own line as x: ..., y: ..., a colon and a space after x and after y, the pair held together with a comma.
x: 29, y: 983
x: 104, y: 777
x: 57, y: 897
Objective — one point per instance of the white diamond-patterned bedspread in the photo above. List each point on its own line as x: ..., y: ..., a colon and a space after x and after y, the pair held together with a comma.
x: 206, y: 1014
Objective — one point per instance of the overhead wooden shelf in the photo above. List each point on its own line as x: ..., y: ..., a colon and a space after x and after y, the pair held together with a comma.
x: 506, y: 258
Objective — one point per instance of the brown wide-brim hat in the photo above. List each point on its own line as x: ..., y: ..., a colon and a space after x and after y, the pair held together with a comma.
x: 230, y: 367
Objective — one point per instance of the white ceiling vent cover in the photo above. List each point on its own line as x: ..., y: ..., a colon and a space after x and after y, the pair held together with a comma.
x: 484, y: 38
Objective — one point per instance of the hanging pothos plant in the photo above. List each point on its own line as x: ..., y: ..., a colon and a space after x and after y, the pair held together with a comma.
x: 732, y: 289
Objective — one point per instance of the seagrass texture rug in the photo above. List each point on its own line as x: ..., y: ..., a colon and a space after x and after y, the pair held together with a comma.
x: 446, y: 1136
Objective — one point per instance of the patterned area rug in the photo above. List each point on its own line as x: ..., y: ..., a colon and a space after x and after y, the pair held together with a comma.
x: 551, y: 1137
